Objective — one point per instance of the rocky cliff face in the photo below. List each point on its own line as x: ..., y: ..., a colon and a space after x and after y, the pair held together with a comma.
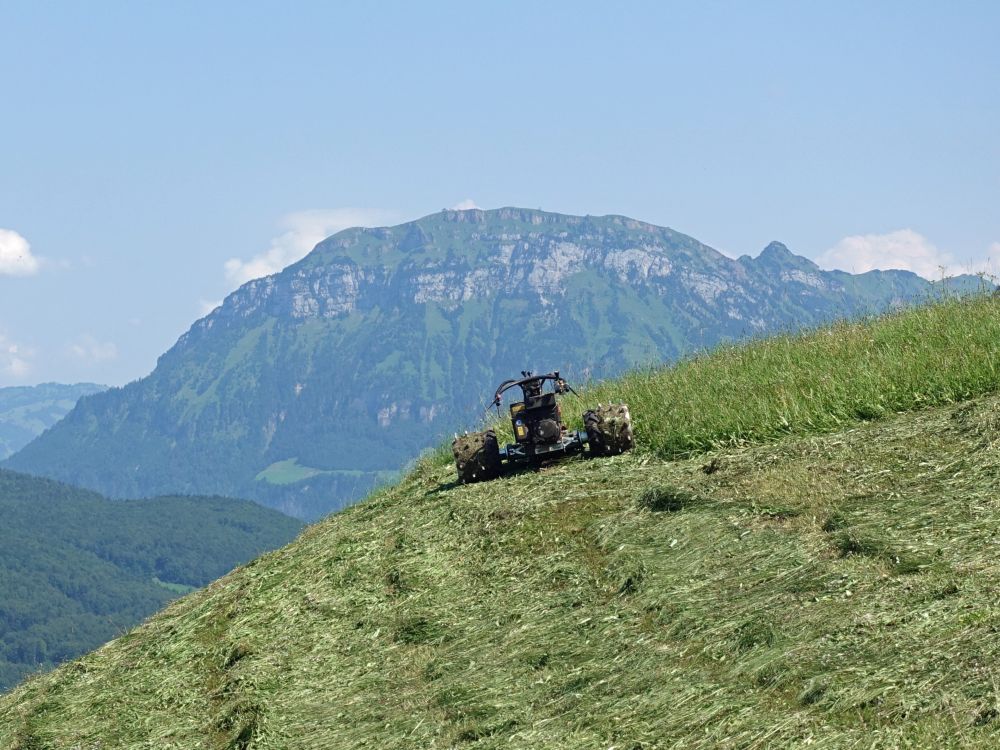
x: 364, y: 269
x: 306, y: 387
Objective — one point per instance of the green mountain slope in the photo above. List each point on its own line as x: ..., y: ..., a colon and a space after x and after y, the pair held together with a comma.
x: 305, y: 388
x: 27, y: 411
x: 77, y: 569
x: 822, y: 575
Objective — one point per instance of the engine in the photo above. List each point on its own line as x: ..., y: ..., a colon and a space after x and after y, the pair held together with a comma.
x: 537, y: 419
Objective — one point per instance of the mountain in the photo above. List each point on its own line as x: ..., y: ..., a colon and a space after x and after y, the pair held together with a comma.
x: 27, y: 411
x: 818, y: 577
x: 306, y: 388
x: 77, y: 569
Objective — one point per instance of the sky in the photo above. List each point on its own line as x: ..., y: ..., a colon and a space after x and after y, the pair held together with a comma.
x: 153, y: 156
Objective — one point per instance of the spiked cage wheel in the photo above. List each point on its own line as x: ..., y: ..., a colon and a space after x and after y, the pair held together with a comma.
x: 477, y: 456
x: 609, y: 429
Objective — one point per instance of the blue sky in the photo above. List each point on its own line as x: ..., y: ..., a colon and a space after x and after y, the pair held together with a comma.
x: 153, y: 155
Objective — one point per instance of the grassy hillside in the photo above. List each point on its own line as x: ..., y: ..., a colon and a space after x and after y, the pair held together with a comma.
x: 77, y: 569
x: 811, y: 571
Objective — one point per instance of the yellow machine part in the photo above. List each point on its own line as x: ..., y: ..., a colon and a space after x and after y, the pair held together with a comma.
x: 519, y: 430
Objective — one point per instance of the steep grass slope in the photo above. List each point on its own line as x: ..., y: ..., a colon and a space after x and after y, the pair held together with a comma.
x: 823, y: 574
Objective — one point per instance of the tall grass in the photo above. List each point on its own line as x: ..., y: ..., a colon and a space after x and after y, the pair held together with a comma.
x: 943, y: 352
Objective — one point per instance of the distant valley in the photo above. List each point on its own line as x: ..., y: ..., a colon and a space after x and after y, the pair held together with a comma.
x: 27, y: 411
x: 306, y: 388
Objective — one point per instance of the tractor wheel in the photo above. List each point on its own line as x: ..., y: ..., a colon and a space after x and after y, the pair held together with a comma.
x: 477, y: 457
x: 609, y: 430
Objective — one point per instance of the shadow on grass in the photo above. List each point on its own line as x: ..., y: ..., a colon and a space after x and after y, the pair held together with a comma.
x: 508, y: 471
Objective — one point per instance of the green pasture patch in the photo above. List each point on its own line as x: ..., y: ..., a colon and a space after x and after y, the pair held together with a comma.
x: 288, y: 471
x: 177, y: 588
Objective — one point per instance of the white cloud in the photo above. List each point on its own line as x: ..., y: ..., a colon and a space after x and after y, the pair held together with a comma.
x: 89, y: 350
x: 907, y: 250
x: 18, y: 367
x: 15, y: 359
x: 304, y: 229
x: 206, y: 306
x: 15, y: 255
x: 465, y: 205
x: 903, y: 249
x: 993, y: 256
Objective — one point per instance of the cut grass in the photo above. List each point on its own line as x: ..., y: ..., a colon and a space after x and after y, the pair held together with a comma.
x: 563, y: 609
x: 833, y: 585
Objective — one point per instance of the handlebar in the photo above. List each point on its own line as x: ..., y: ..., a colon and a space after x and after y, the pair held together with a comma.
x: 561, y: 385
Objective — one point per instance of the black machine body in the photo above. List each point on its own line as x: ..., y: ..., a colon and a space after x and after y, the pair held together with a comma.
x: 539, y: 431
x: 536, y: 419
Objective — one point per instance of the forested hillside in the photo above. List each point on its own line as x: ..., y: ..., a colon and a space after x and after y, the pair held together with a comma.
x: 77, y: 569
